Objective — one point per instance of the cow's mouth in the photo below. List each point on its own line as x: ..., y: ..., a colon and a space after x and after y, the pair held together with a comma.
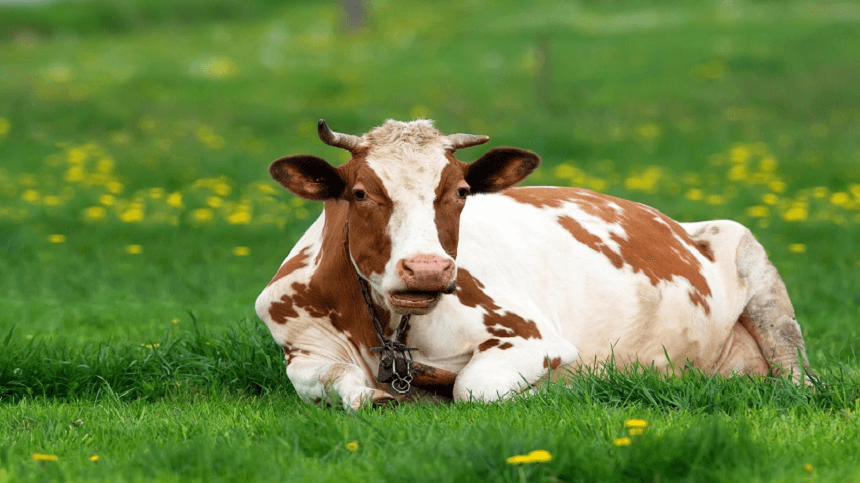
x: 413, y: 301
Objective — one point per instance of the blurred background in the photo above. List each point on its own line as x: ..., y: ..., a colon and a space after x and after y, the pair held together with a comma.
x: 135, y: 135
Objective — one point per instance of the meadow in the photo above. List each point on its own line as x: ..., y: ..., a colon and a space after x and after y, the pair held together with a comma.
x: 138, y: 224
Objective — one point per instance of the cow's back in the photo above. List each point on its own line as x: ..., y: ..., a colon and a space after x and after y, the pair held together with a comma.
x: 609, y: 275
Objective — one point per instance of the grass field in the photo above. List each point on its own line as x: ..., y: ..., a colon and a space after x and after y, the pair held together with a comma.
x: 137, y: 226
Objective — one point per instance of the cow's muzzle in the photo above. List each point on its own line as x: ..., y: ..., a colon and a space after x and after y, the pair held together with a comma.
x: 426, y: 278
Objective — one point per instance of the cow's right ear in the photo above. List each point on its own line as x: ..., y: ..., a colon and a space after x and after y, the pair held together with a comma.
x: 308, y: 176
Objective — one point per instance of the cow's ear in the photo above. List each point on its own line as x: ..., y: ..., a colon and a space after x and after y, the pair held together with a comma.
x: 308, y: 176
x: 500, y: 168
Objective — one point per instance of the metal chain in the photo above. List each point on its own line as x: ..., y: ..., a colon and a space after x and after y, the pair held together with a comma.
x: 391, y: 351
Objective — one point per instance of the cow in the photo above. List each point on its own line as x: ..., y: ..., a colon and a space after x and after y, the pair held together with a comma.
x: 488, y: 288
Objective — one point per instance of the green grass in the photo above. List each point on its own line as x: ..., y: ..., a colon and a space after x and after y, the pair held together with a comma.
x: 152, y: 358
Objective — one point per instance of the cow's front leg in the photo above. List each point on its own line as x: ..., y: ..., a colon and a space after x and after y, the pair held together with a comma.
x: 321, y: 380
x: 508, y: 367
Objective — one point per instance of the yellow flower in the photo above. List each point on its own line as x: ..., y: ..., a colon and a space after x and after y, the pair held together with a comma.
x: 797, y: 248
x: 202, y: 215
x: 758, y: 211
x: 536, y: 456
x: 777, y: 186
x: 622, y: 442
x: 352, y: 446
x: 134, y: 249
x: 94, y: 213
x: 57, y: 238
x: 795, y: 213
x: 154, y: 346
x: 648, y: 131
x: 695, y: 194
x: 44, y: 457
x: 239, y: 218
x: 5, y: 126
x: 635, y: 423
x: 174, y: 321
x: 132, y: 215
x: 635, y: 431
x: 214, y: 201
x: 241, y: 251
x: 30, y: 196
x: 840, y: 199
x: 115, y: 187
x: 175, y: 200
x: 94, y: 458
x: 106, y: 200
x: 808, y: 467
x: 770, y: 199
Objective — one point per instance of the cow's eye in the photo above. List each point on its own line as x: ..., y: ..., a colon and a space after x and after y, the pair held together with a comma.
x: 463, y: 192
x: 359, y: 194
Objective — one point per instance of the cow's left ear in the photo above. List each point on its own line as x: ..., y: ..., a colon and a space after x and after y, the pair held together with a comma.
x: 308, y: 176
x: 500, y: 168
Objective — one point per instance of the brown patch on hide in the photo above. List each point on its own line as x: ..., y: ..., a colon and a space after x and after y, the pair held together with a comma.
x: 540, y: 197
x: 291, y: 265
x: 448, y: 205
x: 704, y: 247
x: 369, y: 240
x: 498, y: 323
x: 551, y: 363
x: 654, y: 245
x: 506, y: 346
x: 488, y: 344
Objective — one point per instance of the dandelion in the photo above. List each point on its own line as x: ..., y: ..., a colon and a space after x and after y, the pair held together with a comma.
x: 241, y: 251
x: 94, y: 458
x: 239, y: 218
x: 797, y: 248
x: 115, y: 187
x: 202, y: 215
x: 769, y: 199
x: 52, y: 200
x: 820, y: 192
x: 776, y: 186
x: 175, y: 200
x: 636, y: 423
x: 622, y: 441
x: 174, y: 321
x: 30, y: 196
x: 694, y: 194
x: 94, y: 213
x: 214, y: 201
x: 758, y: 211
x: 635, y: 431
x: 134, y: 249
x: 132, y: 215
x: 840, y: 199
x: 796, y: 213
x: 716, y: 200
x: 352, y: 446
x: 57, y: 238
x: 808, y: 467
x: 153, y: 346
x: 648, y: 131
x: 5, y: 126
x: 536, y: 456
x: 44, y: 457
x: 107, y: 200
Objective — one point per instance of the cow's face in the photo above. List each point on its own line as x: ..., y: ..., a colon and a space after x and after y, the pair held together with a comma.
x: 405, y: 191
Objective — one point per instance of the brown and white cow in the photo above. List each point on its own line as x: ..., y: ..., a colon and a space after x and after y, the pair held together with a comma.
x: 505, y: 284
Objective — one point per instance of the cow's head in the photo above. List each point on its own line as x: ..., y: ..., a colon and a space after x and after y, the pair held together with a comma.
x: 405, y: 191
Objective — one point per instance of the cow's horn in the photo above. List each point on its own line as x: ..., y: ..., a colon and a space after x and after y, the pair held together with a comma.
x: 336, y: 139
x: 459, y: 141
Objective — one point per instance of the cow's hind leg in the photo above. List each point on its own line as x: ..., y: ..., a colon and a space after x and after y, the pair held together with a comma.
x: 768, y: 315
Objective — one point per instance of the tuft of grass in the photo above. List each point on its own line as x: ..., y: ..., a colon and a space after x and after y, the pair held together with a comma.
x: 244, y: 360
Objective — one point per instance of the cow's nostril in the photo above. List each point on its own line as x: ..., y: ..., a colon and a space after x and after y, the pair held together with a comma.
x: 426, y: 272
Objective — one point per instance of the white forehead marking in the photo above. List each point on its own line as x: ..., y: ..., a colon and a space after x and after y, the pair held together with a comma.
x: 408, y: 157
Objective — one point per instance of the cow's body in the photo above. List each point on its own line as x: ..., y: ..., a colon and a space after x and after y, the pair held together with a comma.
x: 546, y: 278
